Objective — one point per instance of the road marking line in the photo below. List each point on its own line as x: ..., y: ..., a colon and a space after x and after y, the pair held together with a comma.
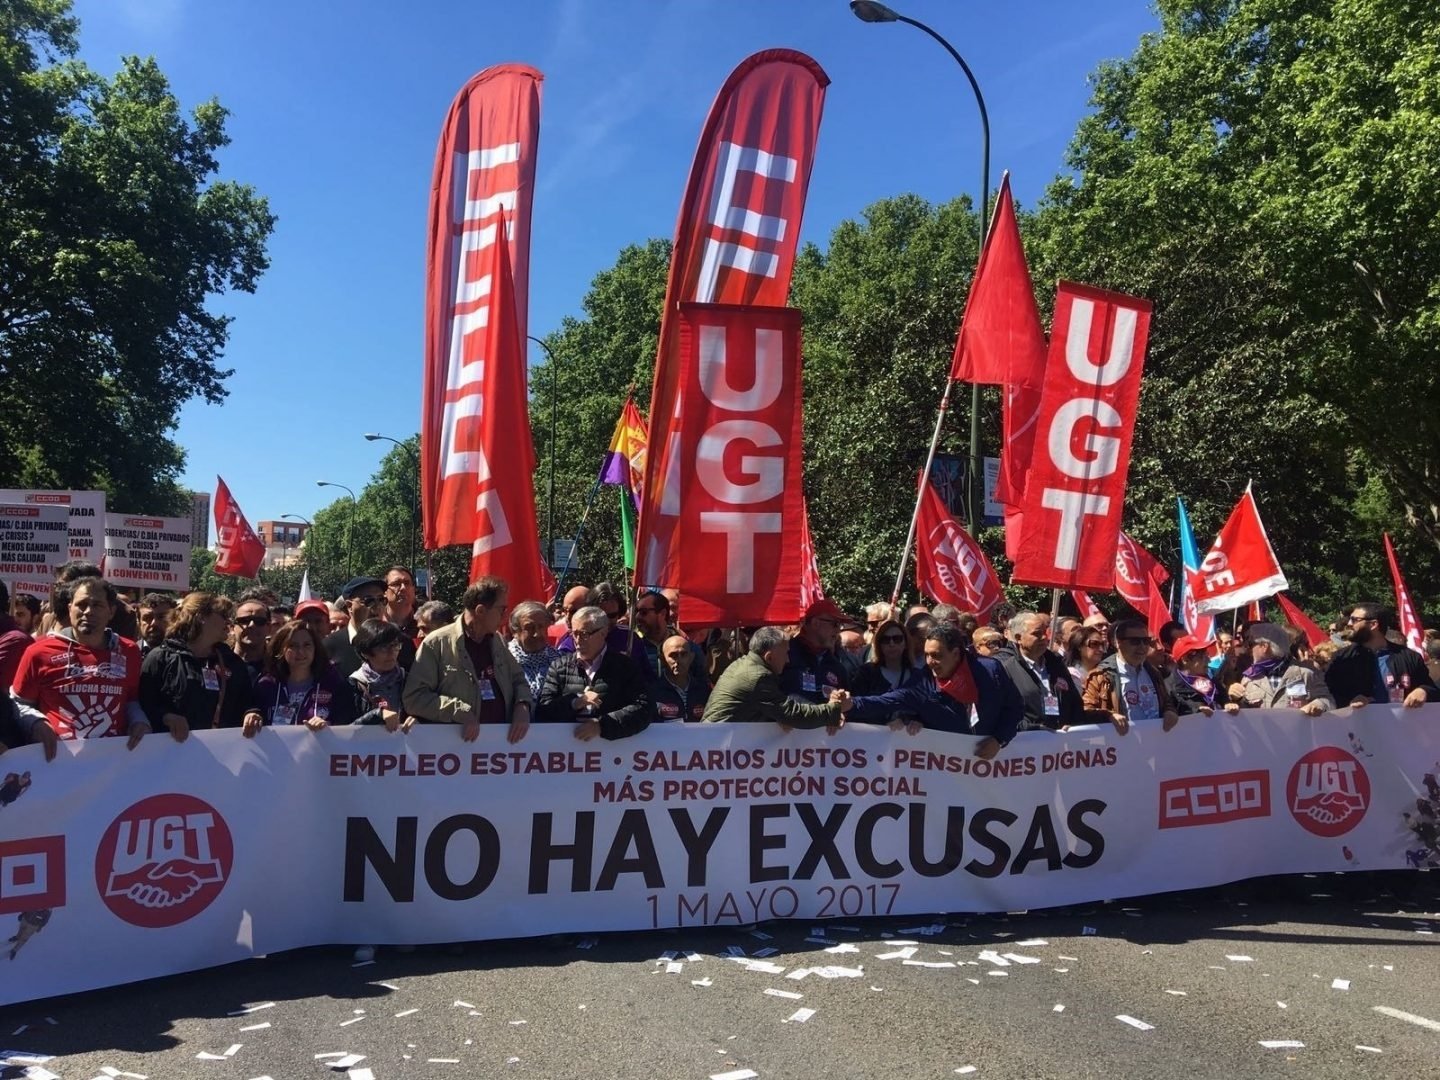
x: 1409, y: 1018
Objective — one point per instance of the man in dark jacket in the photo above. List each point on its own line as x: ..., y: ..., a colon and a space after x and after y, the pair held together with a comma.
x: 1047, y: 689
x: 814, y: 671
x: 601, y: 689
x: 364, y: 599
x: 959, y: 692
x: 1374, y: 669
x: 681, y: 690
x: 749, y: 690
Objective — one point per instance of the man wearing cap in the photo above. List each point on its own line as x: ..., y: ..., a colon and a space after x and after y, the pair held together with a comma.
x: 315, y: 614
x: 814, y: 672
x: 1273, y: 680
x: 1190, y: 683
x: 958, y: 691
x: 364, y: 599
x: 1048, y: 693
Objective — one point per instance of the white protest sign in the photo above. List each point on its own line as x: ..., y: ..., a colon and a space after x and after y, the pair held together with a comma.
x: 87, y: 516
x: 34, y: 541
x: 147, y: 552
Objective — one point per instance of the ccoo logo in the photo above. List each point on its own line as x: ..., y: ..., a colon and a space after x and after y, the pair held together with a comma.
x: 1328, y: 791
x: 163, y: 860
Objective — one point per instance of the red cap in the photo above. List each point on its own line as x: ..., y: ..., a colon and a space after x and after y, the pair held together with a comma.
x: 825, y: 608
x: 1187, y: 644
x: 312, y: 605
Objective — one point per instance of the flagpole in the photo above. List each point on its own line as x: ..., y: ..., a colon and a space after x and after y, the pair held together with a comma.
x: 575, y: 543
x: 920, y: 496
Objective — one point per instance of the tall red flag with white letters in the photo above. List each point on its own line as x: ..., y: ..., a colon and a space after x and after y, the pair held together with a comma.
x: 740, y: 534
x: 949, y: 564
x: 735, y: 243
x: 481, y: 192
x: 1075, y: 490
x: 238, y: 551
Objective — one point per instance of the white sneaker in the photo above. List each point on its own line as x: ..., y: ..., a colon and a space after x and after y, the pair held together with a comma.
x: 364, y: 954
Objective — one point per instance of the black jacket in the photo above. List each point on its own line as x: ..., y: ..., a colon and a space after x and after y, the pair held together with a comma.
x: 347, y: 661
x: 671, y: 703
x: 1351, y: 674
x: 625, y: 707
x: 809, y: 672
x: 1188, y: 700
x: 997, y: 713
x: 1032, y: 694
x: 172, y: 680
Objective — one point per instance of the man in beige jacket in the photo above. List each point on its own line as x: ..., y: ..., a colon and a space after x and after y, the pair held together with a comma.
x: 465, y: 675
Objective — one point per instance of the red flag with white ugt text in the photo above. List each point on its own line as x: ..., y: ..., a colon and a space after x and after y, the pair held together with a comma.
x: 238, y: 551
x: 949, y: 565
x: 1410, y: 624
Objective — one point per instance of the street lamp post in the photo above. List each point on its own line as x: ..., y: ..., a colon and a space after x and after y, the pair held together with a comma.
x: 550, y: 481
x: 414, y: 490
x: 871, y: 12
x: 309, y: 528
x: 349, y: 528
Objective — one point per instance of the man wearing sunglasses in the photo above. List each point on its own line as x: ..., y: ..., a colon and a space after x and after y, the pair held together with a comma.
x: 364, y: 599
x: 1127, y: 685
x: 250, y: 631
x: 1374, y: 669
x: 815, y: 672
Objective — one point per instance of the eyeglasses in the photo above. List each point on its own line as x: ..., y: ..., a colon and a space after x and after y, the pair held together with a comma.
x: 580, y: 635
x: 396, y: 586
x: 1358, y: 619
x: 1093, y: 645
x: 250, y: 620
x: 1137, y: 641
x: 892, y: 639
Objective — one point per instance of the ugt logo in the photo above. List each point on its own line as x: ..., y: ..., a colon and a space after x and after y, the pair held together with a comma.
x: 1328, y: 791
x: 163, y: 860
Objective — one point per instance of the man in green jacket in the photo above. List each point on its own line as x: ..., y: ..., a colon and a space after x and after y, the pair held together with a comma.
x: 749, y: 690
x: 464, y: 673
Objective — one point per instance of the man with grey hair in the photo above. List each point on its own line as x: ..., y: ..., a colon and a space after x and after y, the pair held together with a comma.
x: 599, y: 689
x: 749, y: 690
x: 1048, y: 692
x: 1273, y: 680
x: 529, y: 643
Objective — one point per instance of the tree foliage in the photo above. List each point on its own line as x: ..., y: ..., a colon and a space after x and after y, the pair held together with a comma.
x: 113, y: 236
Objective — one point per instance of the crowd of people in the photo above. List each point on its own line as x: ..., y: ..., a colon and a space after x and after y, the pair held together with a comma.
x: 93, y: 662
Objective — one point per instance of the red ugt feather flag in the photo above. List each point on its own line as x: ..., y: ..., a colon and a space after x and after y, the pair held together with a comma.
x: 1409, y: 620
x: 239, y: 552
x: 1000, y: 339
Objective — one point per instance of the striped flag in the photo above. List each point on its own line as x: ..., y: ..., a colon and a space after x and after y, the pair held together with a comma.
x: 624, y: 466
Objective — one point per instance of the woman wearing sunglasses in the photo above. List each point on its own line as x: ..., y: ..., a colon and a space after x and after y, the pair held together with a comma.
x: 892, y: 666
x: 192, y: 679
x: 1084, y: 649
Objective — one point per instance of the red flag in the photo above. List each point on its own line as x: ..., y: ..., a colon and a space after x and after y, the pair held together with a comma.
x: 811, y: 588
x: 238, y: 551
x: 739, y: 532
x: 1000, y: 339
x: 1136, y: 570
x: 1156, y: 611
x: 1075, y: 492
x: 1409, y: 620
x: 1302, y: 622
x: 1084, y: 604
x: 949, y: 565
x: 507, y: 538
x: 1240, y: 566
x: 1018, y: 414
x: 484, y: 171
x: 1254, y: 612
x: 735, y: 243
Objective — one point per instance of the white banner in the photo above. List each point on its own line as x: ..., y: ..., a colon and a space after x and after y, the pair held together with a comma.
x: 34, y: 541
x: 87, y: 516
x: 117, y: 866
x: 147, y: 553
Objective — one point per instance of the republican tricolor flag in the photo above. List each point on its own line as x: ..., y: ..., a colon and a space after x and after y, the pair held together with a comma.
x: 624, y: 467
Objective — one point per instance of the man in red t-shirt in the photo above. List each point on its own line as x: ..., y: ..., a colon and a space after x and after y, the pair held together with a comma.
x: 83, y: 682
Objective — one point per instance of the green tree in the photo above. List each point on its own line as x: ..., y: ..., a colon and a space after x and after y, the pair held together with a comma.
x: 1263, y: 170
x: 113, y: 237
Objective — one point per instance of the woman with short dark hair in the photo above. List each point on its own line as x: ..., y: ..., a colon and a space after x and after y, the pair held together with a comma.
x: 379, y: 684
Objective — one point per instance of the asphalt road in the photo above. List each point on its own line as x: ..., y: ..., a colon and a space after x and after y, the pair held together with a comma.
x: 1209, y: 975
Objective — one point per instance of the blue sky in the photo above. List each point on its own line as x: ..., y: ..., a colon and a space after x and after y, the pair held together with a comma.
x: 336, y: 111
